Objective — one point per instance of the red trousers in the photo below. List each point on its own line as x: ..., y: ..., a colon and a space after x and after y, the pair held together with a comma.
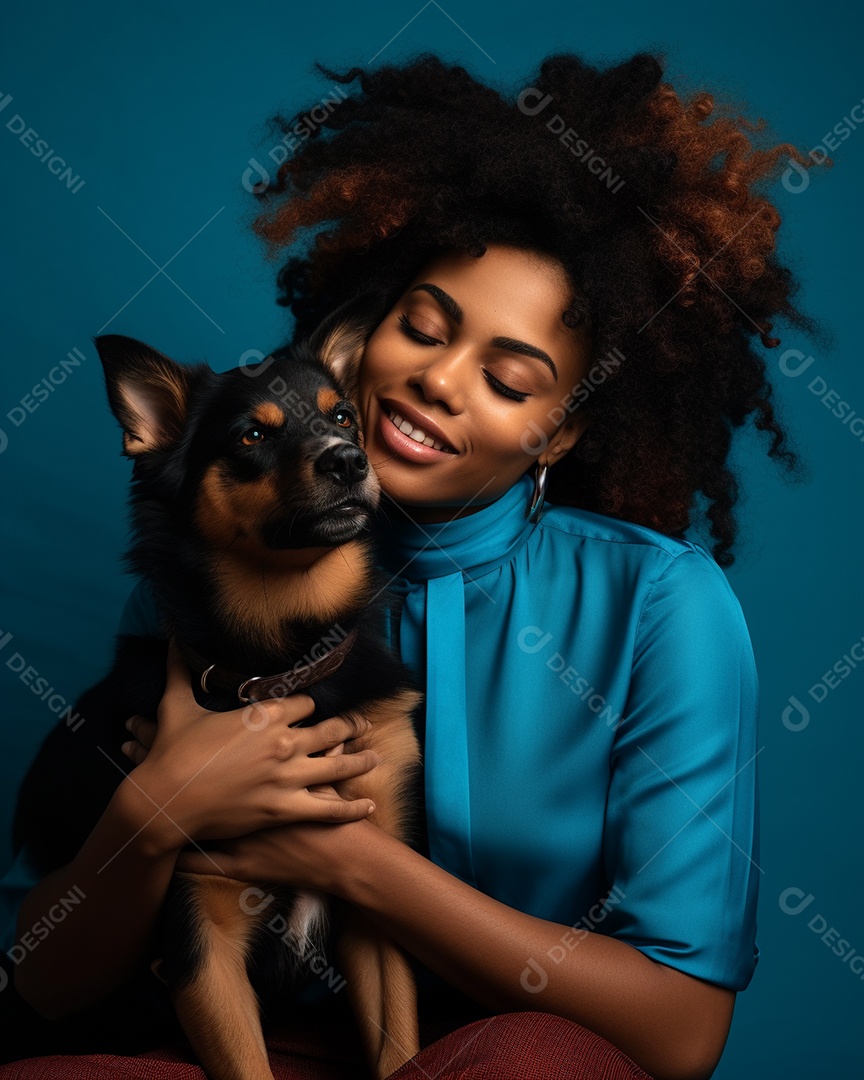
x: 322, y: 1043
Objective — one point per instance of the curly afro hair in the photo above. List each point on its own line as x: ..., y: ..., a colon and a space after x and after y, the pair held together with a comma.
x: 652, y: 208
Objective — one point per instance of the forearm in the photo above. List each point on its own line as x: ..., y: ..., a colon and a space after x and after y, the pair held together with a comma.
x: 113, y: 889
x: 482, y: 946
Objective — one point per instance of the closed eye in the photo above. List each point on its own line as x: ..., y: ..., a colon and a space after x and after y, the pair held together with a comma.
x: 425, y: 339
x: 416, y: 334
x: 502, y: 388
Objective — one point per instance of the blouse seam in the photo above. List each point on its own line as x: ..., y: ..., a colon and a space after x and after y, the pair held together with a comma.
x: 647, y: 598
x: 657, y: 545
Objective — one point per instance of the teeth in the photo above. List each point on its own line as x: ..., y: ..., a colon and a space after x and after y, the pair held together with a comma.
x: 416, y: 433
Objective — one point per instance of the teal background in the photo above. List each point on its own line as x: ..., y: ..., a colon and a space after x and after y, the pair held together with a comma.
x: 158, y: 108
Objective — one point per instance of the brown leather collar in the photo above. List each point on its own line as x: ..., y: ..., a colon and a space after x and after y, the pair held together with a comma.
x: 257, y: 687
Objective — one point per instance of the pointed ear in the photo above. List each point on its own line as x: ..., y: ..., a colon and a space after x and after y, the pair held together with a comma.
x: 147, y: 391
x: 339, y: 339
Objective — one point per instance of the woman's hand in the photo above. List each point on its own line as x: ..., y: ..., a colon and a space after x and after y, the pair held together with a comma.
x: 311, y: 855
x: 226, y: 774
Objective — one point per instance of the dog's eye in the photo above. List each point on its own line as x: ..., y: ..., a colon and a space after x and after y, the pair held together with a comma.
x: 343, y: 417
x: 252, y: 437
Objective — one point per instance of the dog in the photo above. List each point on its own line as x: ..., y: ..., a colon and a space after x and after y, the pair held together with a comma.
x: 234, y: 476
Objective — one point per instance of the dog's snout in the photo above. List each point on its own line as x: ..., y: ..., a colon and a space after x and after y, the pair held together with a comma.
x: 345, y: 463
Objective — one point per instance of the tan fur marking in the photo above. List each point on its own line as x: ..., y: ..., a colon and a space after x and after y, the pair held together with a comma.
x: 257, y: 597
x: 219, y: 1009
x: 382, y: 991
x: 392, y: 736
x: 227, y: 511
x: 327, y: 398
x: 269, y: 414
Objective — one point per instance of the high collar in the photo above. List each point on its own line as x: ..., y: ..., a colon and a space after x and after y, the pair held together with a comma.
x: 473, y: 543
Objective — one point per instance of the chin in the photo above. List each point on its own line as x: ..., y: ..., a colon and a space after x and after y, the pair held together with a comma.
x: 331, y: 530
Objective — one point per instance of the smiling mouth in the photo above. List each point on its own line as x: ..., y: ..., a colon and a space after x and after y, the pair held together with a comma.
x: 418, y: 434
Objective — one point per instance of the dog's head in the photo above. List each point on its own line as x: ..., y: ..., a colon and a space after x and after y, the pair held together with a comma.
x: 262, y: 459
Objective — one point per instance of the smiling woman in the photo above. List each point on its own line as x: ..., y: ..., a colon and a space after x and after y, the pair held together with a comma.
x: 472, y: 352
x: 509, y: 279
x: 585, y: 886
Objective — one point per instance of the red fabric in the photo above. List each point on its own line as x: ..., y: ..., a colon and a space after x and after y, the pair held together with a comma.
x: 509, y: 1046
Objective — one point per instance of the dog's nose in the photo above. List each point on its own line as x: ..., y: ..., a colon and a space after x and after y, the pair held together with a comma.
x: 345, y: 463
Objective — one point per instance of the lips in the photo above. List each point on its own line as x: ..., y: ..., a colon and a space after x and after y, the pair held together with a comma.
x: 416, y: 426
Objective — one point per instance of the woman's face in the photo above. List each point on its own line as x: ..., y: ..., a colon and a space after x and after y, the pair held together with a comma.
x: 475, y: 355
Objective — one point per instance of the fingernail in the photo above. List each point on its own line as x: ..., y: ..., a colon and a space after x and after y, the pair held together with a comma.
x: 371, y: 808
x: 128, y: 724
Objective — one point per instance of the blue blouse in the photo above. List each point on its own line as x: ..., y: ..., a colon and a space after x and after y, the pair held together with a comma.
x: 590, y: 730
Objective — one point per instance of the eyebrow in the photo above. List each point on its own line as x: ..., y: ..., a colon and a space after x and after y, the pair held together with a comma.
x: 510, y: 344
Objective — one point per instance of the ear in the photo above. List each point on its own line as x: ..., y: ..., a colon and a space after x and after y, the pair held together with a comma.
x: 566, y: 437
x: 147, y: 391
x: 339, y: 339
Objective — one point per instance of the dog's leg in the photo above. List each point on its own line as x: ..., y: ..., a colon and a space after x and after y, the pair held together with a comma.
x: 217, y: 1005
x: 380, y: 980
x: 382, y: 992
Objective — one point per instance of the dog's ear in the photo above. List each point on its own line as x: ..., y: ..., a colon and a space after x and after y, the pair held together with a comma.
x: 339, y: 339
x: 148, y: 392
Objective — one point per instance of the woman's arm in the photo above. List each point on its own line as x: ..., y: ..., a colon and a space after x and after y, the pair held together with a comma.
x: 123, y: 874
x: 207, y: 775
x: 672, y: 1024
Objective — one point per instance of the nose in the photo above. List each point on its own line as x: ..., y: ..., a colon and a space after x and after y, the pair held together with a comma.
x: 345, y: 463
x: 443, y: 377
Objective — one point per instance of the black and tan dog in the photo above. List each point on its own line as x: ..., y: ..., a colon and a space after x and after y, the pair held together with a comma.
x: 236, y: 477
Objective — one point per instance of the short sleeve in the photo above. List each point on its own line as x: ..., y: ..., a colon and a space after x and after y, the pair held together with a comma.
x: 681, y: 835
x: 140, y: 615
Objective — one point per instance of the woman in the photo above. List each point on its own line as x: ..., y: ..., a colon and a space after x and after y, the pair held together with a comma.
x: 570, y: 286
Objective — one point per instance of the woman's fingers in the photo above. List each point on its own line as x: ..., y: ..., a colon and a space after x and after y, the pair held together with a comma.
x: 330, y: 769
x: 134, y: 751
x: 327, y: 735
x: 143, y: 730
x: 335, y: 808
x: 143, y: 733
